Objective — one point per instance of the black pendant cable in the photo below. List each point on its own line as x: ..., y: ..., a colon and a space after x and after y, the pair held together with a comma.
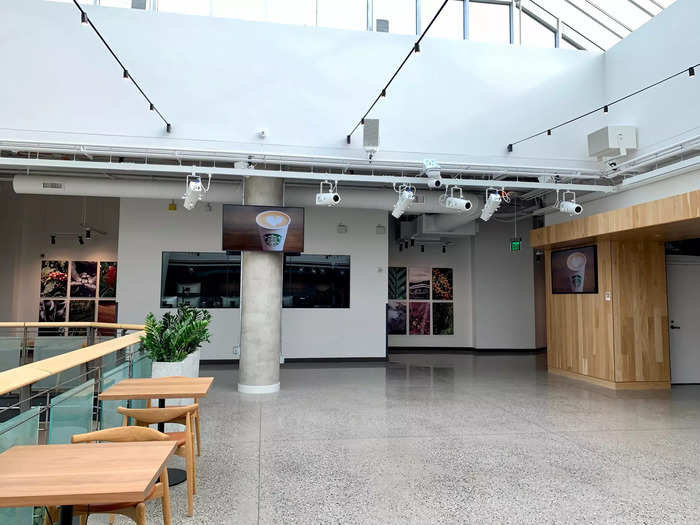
x: 85, y: 20
x: 690, y: 71
x: 382, y: 93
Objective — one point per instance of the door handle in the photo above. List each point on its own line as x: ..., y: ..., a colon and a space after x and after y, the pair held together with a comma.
x: 675, y: 327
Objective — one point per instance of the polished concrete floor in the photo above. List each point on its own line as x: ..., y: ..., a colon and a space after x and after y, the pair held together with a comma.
x: 443, y: 439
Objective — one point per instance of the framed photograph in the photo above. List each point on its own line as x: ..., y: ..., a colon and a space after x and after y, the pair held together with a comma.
x: 263, y: 228
x: 108, y: 279
x: 397, y: 282
x: 54, y: 279
x: 442, y: 284
x: 52, y: 311
x: 396, y: 318
x: 419, y: 318
x: 575, y: 270
x: 81, y: 311
x: 83, y: 279
x: 106, y: 313
x: 419, y: 283
x: 443, y: 319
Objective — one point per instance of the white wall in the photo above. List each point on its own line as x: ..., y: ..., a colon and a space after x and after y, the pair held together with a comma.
x: 458, y: 257
x: 34, y: 219
x: 147, y: 229
x: 220, y: 80
x: 504, y: 302
x: 665, y: 45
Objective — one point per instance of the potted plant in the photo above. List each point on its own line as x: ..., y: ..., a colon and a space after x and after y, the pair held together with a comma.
x: 173, y: 342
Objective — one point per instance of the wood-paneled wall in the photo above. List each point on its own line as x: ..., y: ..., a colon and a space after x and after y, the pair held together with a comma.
x: 580, y: 326
x: 640, y: 311
x: 622, y: 342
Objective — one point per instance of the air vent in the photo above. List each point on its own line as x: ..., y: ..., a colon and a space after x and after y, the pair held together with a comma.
x: 53, y: 186
x: 382, y: 25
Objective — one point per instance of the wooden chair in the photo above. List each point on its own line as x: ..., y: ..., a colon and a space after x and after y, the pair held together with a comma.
x: 135, y: 510
x: 182, y: 415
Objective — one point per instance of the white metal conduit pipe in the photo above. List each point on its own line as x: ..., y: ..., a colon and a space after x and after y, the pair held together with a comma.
x: 231, y: 193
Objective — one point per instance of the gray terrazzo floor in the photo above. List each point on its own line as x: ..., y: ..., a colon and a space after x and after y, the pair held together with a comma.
x: 442, y: 439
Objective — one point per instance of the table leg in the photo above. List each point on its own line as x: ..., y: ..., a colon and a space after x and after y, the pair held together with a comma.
x: 66, y: 515
x: 175, y: 475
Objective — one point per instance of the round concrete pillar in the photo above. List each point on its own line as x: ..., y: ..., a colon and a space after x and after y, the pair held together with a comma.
x: 261, y: 301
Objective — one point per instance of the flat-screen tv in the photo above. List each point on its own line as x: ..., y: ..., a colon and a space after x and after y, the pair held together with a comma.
x: 263, y: 228
x: 575, y: 270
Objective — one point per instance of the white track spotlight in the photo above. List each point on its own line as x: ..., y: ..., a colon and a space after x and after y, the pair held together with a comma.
x: 493, y: 201
x: 194, y: 190
x: 407, y: 195
x: 431, y: 169
x: 330, y: 197
x: 455, y: 202
x: 570, y: 206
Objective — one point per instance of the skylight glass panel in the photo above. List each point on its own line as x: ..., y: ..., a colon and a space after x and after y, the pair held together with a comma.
x: 184, y: 7
x: 450, y: 23
x: 401, y: 15
x: 241, y: 9
x: 535, y: 34
x: 299, y: 12
x: 343, y: 14
x: 489, y: 22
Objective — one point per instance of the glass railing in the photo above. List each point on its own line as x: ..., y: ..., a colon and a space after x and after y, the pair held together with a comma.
x: 64, y: 399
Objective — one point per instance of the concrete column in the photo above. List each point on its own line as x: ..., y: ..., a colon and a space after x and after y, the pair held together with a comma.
x: 261, y: 301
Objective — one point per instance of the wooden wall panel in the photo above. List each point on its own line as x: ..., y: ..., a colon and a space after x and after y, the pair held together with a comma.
x: 580, y: 326
x: 677, y: 217
x: 640, y: 308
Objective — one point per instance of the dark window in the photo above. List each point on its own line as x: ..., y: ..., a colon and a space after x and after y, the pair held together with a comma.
x: 316, y: 281
x: 200, y: 279
x: 213, y: 280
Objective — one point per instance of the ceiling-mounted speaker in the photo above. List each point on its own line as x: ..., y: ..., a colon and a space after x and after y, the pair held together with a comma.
x: 371, y: 135
x: 382, y: 25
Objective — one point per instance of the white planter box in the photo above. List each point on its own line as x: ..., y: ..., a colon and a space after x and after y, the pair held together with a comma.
x: 189, y: 367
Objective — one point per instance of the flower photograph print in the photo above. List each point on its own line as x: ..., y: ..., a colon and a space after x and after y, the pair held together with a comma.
x: 81, y: 311
x: 419, y: 314
x: 396, y: 318
x: 83, y: 279
x: 52, y: 311
x: 443, y: 319
x: 442, y: 284
x: 54, y: 279
x: 108, y: 279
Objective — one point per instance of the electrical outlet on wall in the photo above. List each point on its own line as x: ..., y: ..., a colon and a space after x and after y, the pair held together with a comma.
x: 608, y: 296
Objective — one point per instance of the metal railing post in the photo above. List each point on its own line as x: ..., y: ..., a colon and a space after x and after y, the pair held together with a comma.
x: 25, y: 392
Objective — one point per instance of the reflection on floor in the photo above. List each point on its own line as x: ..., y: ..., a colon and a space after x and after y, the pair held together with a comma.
x: 443, y: 439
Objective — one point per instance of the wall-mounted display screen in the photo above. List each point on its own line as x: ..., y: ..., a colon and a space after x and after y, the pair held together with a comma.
x: 263, y: 228
x: 575, y: 270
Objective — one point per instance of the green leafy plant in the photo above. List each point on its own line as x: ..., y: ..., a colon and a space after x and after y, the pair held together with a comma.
x: 176, y: 335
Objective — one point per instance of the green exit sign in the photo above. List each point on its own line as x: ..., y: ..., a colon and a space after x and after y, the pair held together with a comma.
x: 515, y: 244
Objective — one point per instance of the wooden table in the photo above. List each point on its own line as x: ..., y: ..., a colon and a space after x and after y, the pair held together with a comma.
x: 85, y: 474
x: 161, y: 388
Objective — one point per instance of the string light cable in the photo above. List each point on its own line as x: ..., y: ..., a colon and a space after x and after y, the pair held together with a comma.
x: 382, y: 93
x: 605, y: 108
x: 126, y: 75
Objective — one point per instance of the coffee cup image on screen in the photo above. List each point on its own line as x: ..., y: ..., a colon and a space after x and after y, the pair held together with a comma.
x: 263, y: 228
x: 272, y: 228
x: 576, y: 263
x: 574, y: 270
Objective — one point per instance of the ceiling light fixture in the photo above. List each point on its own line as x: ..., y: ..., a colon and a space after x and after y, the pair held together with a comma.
x: 431, y: 169
x: 569, y: 206
x: 53, y: 239
x: 455, y: 203
x: 194, y: 190
x: 83, y: 18
x: 605, y: 109
x: 80, y: 240
x: 691, y: 71
x: 493, y: 201
x: 330, y: 197
x: 407, y: 194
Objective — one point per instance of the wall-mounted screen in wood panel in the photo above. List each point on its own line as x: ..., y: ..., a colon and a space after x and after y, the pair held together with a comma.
x: 575, y: 270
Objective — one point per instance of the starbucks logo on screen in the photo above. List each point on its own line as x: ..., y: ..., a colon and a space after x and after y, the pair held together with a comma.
x: 272, y: 229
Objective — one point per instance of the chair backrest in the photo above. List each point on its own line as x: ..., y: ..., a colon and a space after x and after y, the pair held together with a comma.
x: 157, y: 415
x: 121, y: 435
